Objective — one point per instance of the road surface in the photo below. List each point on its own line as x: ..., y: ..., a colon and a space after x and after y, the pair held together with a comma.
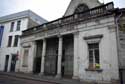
x: 4, y: 79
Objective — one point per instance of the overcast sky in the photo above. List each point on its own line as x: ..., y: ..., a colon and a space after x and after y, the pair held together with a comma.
x: 48, y: 9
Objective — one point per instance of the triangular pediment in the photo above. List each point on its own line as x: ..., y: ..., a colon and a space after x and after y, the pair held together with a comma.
x: 75, y: 3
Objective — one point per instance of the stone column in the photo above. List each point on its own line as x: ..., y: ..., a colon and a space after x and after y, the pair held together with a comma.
x: 76, y: 57
x: 59, y: 57
x: 43, y: 57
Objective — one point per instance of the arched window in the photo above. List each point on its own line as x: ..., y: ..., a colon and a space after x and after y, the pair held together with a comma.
x: 81, y: 8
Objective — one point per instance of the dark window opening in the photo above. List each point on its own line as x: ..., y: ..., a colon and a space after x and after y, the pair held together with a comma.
x: 12, y: 27
x: 18, y: 25
x: 16, y: 41
x: 9, y: 41
x: 1, y: 34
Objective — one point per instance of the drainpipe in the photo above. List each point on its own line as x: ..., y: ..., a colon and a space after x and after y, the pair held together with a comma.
x: 117, y: 32
x: 117, y: 37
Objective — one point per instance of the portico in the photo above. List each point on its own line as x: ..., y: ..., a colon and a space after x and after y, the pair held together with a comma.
x: 54, y: 55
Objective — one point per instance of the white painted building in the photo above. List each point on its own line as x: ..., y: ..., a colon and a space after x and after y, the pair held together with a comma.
x: 13, y: 25
x: 84, y: 44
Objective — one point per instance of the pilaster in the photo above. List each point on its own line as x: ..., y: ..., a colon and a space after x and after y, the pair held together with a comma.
x: 76, y: 57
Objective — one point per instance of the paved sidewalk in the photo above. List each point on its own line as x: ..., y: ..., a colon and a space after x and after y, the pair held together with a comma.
x: 42, y: 78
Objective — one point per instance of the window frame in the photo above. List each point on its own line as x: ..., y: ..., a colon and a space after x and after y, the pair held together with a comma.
x: 18, y: 25
x: 93, y: 39
x: 16, y: 40
x: 12, y: 26
x: 10, y: 38
x: 93, y: 56
x: 1, y: 34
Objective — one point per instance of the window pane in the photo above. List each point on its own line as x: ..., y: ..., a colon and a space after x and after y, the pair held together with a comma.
x: 18, y: 25
x: 9, y: 41
x: 90, y: 56
x: 93, y: 46
x: 97, y: 56
x: 16, y: 40
x: 12, y: 27
x: 93, y: 55
x: 1, y: 34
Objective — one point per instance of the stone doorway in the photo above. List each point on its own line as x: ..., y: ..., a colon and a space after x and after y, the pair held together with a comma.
x: 13, y: 63
x: 6, y: 63
x: 67, y: 58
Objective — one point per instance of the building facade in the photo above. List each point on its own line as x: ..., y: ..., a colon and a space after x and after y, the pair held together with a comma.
x: 83, y: 44
x: 11, y: 27
x: 121, y: 42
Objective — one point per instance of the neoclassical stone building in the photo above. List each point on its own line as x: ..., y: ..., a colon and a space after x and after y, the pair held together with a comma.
x: 83, y: 44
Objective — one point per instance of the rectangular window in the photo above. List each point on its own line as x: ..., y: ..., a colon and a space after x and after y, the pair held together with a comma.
x: 94, y: 55
x: 18, y: 25
x: 16, y: 41
x: 1, y: 34
x: 9, y: 41
x: 12, y: 27
x: 25, y: 58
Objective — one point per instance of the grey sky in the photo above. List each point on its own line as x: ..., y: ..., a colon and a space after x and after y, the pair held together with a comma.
x: 48, y: 9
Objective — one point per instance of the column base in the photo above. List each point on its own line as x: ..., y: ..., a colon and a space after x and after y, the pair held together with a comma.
x: 58, y: 76
x: 41, y: 74
x: 30, y: 72
x: 75, y: 77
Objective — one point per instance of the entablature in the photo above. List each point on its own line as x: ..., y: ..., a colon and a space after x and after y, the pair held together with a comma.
x: 68, y: 23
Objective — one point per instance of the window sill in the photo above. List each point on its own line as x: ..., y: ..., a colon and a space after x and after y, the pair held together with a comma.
x: 15, y: 46
x: 98, y: 70
x: 24, y: 66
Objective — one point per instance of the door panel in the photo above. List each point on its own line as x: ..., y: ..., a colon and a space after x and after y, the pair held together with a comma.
x: 37, y: 65
x: 13, y: 63
x: 6, y: 63
x: 67, y: 59
x: 51, y: 57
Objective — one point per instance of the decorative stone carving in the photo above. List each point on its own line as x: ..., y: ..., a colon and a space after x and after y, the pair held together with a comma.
x: 81, y: 8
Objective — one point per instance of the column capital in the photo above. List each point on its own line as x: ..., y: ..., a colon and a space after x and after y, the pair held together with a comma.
x: 44, y: 39
x: 34, y: 42
x: 59, y: 36
x: 76, y: 16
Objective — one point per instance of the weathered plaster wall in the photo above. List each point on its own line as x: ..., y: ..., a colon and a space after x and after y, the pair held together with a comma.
x: 122, y: 42
x: 108, y: 50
